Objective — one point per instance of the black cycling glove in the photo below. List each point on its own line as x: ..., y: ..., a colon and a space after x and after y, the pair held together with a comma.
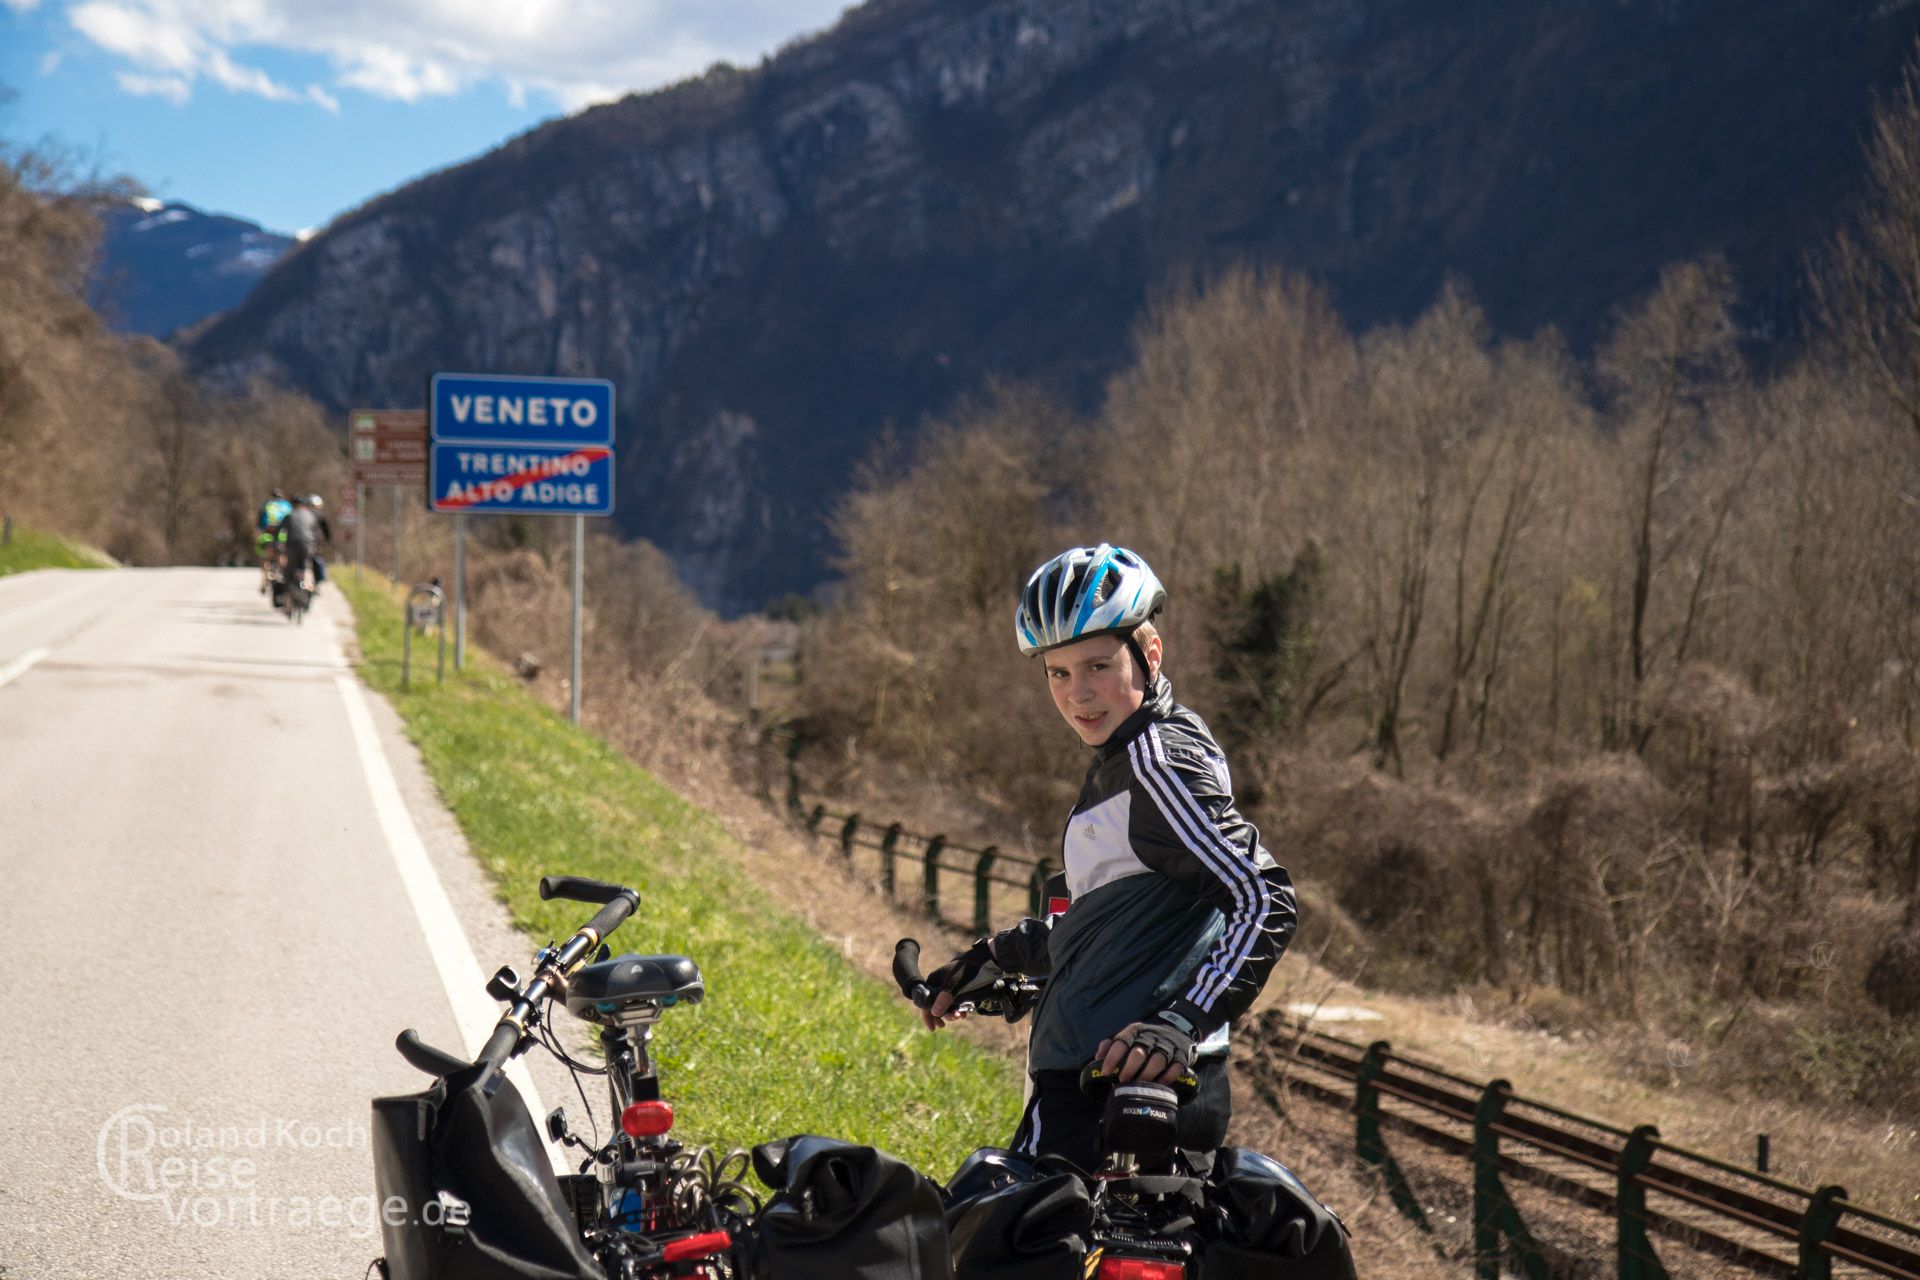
x: 1164, y: 1039
x: 964, y: 971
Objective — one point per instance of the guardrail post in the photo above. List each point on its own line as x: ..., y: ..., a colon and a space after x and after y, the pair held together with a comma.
x: 983, y: 891
x: 1369, y: 1145
x: 851, y: 825
x: 1494, y: 1214
x: 1822, y: 1217
x: 1037, y: 889
x: 1638, y: 1259
x: 930, y: 882
x: 889, y: 843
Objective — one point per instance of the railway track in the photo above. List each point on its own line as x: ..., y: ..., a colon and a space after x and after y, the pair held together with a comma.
x: 1758, y: 1225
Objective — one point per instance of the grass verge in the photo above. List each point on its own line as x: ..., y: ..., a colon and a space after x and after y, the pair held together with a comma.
x: 30, y: 549
x: 791, y: 1038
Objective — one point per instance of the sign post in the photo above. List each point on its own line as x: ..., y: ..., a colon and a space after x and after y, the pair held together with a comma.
x: 350, y: 519
x: 522, y: 446
x: 579, y: 559
x: 389, y: 448
x: 460, y: 592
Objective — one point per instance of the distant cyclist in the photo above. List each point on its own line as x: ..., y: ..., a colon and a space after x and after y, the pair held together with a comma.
x: 301, y: 535
x: 266, y: 542
x: 319, y: 505
x: 1173, y: 912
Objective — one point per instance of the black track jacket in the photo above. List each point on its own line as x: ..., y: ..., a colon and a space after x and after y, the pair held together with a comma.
x: 1173, y: 904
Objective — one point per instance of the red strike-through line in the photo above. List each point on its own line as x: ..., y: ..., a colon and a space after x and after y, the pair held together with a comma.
x: 523, y: 478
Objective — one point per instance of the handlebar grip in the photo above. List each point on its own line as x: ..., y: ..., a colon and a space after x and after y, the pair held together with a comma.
x: 580, y: 889
x: 906, y: 972
x: 418, y: 1053
x: 614, y: 914
x: 498, y: 1048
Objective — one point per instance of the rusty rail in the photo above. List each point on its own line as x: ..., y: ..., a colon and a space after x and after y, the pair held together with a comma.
x: 1762, y: 1223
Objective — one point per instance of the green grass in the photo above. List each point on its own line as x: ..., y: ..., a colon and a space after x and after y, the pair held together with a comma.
x: 791, y: 1038
x: 33, y: 550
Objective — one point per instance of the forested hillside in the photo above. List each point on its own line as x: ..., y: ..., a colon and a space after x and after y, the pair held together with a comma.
x: 774, y: 264
x: 1592, y: 684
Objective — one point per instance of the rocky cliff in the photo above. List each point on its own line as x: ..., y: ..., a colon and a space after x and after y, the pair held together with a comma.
x: 772, y: 264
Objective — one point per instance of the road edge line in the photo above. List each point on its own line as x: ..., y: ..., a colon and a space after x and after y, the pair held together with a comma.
x: 20, y: 665
x: 473, y: 1011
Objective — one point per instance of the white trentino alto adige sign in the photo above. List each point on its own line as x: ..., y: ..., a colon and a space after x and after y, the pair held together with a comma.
x: 526, y: 446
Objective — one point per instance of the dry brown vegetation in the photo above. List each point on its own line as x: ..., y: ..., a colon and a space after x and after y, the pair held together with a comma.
x: 1596, y: 678
x: 106, y: 438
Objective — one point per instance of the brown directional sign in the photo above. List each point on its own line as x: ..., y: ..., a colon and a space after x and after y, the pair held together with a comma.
x: 389, y: 446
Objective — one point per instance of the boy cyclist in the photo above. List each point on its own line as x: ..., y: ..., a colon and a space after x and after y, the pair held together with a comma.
x: 1175, y: 911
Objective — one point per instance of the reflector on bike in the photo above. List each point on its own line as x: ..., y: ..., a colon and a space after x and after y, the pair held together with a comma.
x: 1140, y: 1269
x: 700, y: 1246
x: 646, y: 1119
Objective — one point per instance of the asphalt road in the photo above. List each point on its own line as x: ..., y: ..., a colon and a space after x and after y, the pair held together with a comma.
x: 215, y: 926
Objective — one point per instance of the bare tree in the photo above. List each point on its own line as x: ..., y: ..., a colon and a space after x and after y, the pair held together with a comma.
x: 1663, y: 364
x: 1866, y: 287
x: 1428, y: 391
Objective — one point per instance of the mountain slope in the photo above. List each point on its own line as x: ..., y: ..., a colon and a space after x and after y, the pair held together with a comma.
x: 773, y: 264
x: 165, y: 267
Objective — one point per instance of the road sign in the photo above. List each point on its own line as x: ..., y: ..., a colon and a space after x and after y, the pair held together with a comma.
x: 523, y: 479
x: 350, y: 504
x: 523, y: 446
x: 389, y: 446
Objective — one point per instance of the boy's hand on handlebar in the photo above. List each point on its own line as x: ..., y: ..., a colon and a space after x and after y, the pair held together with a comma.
x: 1152, y: 1052
x: 952, y: 979
x: 941, y: 1011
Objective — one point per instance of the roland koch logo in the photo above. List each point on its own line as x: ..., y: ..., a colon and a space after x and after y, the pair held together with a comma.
x: 209, y: 1175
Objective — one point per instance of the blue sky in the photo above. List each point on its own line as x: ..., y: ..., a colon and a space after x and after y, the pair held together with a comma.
x: 289, y: 112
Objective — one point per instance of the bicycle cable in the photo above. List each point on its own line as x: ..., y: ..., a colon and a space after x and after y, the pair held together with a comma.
x: 551, y: 1044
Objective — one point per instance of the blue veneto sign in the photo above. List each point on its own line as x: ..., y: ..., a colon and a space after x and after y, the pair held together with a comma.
x: 516, y: 445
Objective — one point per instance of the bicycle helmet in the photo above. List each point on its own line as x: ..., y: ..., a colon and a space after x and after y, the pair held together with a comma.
x: 317, y: 502
x: 1088, y: 591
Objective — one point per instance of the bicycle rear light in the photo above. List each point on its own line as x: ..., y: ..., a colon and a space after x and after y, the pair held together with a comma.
x: 646, y: 1119
x: 1140, y: 1269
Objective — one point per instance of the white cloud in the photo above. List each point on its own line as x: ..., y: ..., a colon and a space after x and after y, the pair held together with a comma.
x: 174, y: 89
x: 21, y: 6
x: 50, y: 62
x: 571, y: 51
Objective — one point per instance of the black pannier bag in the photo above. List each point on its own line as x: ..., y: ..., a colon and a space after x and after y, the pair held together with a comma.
x: 1010, y: 1220
x: 1266, y: 1224
x: 466, y: 1189
x: 840, y: 1211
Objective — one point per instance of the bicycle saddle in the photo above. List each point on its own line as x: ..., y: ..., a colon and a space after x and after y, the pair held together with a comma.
x: 613, y: 990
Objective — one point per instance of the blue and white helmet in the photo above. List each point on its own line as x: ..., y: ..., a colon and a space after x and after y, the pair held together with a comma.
x: 1088, y: 591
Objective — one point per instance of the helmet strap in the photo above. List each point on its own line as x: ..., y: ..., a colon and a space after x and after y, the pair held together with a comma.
x: 1140, y: 657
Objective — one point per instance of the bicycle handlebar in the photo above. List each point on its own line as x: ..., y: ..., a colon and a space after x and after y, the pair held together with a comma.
x: 906, y: 972
x: 579, y: 889
x: 418, y: 1053
x: 555, y: 966
x: 992, y: 992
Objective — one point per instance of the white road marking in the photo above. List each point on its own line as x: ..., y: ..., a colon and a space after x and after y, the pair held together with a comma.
x: 473, y: 1010
x: 19, y: 665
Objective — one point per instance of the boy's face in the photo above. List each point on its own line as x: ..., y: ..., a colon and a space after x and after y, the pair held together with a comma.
x: 1096, y: 684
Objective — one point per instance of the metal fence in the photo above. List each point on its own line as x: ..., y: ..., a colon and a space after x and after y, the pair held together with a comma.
x: 1767, y: 1226
x: 941, y: 864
